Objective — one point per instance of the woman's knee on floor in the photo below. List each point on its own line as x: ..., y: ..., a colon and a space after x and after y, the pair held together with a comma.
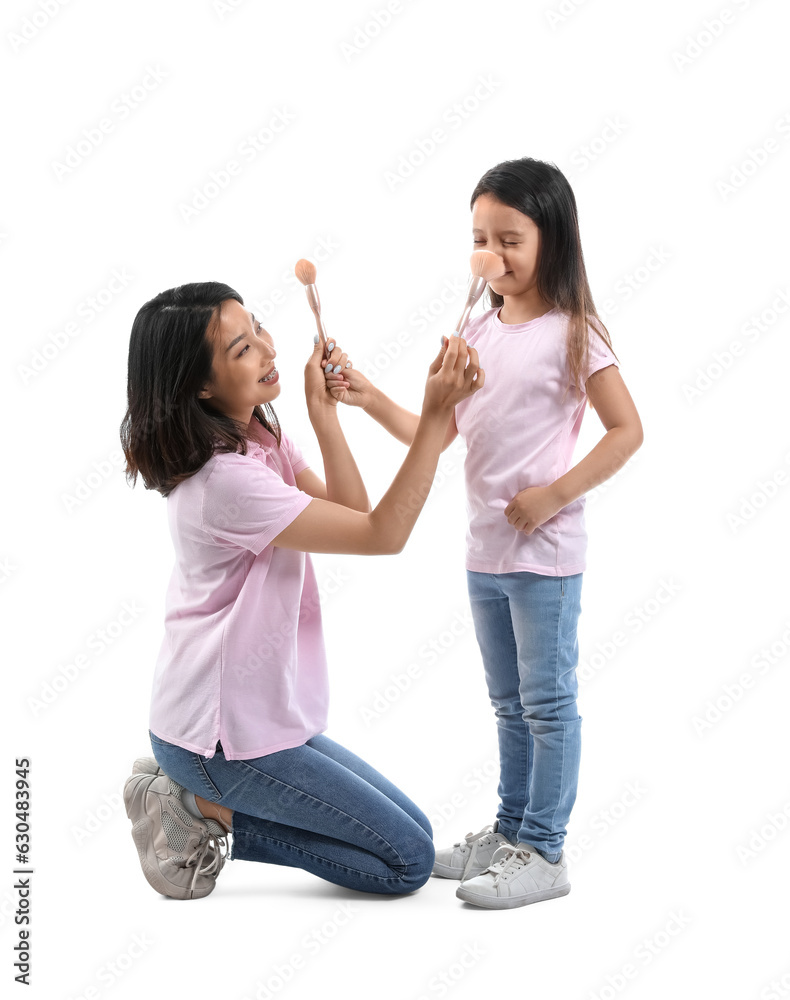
x: 419, y: 854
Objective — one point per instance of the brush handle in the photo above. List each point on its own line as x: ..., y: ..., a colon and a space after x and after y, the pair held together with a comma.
x: 315, y: 305
x: 477, y: 286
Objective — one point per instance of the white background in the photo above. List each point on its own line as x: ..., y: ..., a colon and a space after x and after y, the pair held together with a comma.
x: 673, y: 133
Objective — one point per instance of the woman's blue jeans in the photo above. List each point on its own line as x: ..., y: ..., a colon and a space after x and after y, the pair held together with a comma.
x: 317, y: 807
x: 526, y: 629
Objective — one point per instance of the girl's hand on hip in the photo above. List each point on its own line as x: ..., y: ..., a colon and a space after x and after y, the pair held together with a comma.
x: 318, y: 381
x: 532, y: 507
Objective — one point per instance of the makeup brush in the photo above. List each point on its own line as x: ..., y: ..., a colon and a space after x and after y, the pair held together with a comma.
x: 305, y: 271
x: 485, y: 266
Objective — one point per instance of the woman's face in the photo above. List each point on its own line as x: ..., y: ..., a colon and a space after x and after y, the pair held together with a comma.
x: 512, y: 235
x: 243, y: 357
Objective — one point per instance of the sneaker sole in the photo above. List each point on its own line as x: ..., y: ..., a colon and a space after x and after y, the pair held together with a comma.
x: 143, y: 836
x: 509, y: 902
x: 445, y: 871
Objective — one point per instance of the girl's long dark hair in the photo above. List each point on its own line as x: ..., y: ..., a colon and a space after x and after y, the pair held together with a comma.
x: 541, y: 191
x: 168, y: 434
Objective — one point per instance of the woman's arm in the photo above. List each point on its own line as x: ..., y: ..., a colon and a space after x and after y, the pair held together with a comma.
x: 613, y: 404
x: 328, y: 527
x: 358, y: 390
x: 344, y: 483
x: 401, y: 423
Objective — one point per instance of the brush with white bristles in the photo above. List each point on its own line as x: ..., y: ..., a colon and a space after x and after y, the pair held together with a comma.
x: 305, y: 271
x: 485, y: 266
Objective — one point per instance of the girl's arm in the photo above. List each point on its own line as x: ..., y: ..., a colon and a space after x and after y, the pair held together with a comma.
x: 613, y: 404
x: 401, y: 423
x: 324, y: 526
x: 358, y: 390
x: 624, y: 435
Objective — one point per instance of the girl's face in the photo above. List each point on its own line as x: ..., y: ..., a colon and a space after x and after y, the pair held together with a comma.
x: 243, y: 357
x: 512, y: 235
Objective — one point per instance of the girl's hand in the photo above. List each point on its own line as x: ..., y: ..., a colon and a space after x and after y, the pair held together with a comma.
x: 350, y: 386
x: 317, y: 381
x: 532, y: 507
x: 454, y: 374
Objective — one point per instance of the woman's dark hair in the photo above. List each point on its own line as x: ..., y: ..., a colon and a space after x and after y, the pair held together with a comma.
x: 168, y: 434
x: 541, y: 191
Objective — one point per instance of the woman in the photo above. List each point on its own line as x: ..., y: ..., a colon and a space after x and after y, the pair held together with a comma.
x: 240, y: 689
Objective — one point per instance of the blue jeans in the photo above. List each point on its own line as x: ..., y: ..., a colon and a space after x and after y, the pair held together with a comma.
x: 526, y: 629
x: 316, y: 807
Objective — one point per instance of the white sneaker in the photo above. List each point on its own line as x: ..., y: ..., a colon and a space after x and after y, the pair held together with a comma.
x: 517, y: 876
x: 146, y: 765
x: 470, y: 856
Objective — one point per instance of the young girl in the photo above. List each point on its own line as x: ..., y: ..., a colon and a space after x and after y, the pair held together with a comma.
x: 546, y: 353
x: 240, y: 689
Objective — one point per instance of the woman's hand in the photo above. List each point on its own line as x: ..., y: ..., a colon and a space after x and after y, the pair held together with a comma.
x: 532, y: 507
x: 317, y: 381
x: 453, y: 375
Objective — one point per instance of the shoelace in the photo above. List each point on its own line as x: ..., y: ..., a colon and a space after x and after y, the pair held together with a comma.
x: 512, y: 860
x: 212, y: 842
x: 470, y: 838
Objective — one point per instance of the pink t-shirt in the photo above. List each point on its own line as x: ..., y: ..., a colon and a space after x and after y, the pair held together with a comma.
x: 242, y: 659
x: 520, y: 433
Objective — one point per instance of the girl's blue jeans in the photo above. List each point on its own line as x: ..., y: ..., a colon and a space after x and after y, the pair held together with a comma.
x: 526, y: 629
x: 317, y: 807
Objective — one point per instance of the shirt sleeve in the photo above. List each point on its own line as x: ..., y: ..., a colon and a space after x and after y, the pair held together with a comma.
x: 246, y: 503
x: 600, y: 356
x: 295, y: 457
